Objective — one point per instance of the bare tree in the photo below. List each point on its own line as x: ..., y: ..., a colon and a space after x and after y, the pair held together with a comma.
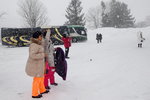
x: 2, y: 14
x: 147, y: 20
x: 33, y: 12
x: 93, y: 17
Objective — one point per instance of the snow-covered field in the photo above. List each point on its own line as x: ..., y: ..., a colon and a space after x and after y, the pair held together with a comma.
x: 113, y: 70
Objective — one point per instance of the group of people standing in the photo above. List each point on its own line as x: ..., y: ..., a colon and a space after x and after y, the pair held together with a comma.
x: 40, y: 64
x: 99, y: 38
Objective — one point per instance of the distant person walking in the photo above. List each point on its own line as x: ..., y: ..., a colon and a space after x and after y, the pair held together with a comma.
x: 99, y: 37
x: 35, y: 65
x: 140, y: 39
x: 67, y: 44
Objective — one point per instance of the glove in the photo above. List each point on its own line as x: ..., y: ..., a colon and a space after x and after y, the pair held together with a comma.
x: 46, y: 71
x: 53, y: 69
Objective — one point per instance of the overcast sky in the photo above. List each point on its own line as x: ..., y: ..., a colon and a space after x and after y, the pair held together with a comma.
x: 56, y: 10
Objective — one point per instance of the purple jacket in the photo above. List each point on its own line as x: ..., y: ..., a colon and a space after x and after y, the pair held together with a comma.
x: 60, y: 63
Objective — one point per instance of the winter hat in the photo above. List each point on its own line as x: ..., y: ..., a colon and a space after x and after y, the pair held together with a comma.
x: 36, y: 34
x: 64, y: 35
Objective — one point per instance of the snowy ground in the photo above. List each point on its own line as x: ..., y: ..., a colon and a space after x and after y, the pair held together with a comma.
x: 113, y: 70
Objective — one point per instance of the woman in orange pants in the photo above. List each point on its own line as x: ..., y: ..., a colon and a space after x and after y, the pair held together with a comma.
x: 35, y: 65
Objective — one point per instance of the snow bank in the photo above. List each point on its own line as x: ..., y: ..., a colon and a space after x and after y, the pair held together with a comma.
x: 112, y: 70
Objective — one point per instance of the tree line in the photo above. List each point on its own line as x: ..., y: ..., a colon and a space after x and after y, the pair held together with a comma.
x: 107, y: 14
x: 111, y: 14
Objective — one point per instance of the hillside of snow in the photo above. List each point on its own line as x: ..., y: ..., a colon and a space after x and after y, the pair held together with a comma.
x: 115, y: 69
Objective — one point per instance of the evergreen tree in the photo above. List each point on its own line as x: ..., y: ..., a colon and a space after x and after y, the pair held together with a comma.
x: 105, y: 19
x: 119, y: 15
x: 74, y: 15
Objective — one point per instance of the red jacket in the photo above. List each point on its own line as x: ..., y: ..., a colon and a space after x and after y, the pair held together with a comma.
x: 67, y: 42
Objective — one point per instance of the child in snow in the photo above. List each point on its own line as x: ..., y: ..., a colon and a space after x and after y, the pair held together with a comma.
x: 67, y: 43
x: 140, y: 39
x: 35, y: 65
x: 50, y: 67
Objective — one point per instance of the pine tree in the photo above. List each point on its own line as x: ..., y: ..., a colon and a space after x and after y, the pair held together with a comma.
x: 119, y: 15
x: 128, y: 20
x: 74, y: 15
x: 105, y: 18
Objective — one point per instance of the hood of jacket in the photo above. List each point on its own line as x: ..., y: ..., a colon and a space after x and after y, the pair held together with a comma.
x: 33, y: 40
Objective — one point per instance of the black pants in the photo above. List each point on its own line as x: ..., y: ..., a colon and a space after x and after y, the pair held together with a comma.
x: 66, y: 52
x: 99, y: 40
x: 140, y: 45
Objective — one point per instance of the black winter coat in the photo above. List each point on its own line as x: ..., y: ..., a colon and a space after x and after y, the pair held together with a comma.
x: 60, y: 63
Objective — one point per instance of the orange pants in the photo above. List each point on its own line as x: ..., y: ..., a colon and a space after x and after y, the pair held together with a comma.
x: 38, y: 86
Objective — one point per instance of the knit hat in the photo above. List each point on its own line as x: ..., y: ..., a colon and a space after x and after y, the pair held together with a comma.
x: 36, y: 34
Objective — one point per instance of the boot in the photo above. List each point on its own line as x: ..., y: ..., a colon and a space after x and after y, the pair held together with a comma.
x: 67, y: 57
x: 39, y: 96
x: 55, y: 84
x: 47, y: 87
x: 45, y: 92
x: 141, y: 45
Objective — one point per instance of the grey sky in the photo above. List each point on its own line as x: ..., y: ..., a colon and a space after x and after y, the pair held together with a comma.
x: 56, y: 10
